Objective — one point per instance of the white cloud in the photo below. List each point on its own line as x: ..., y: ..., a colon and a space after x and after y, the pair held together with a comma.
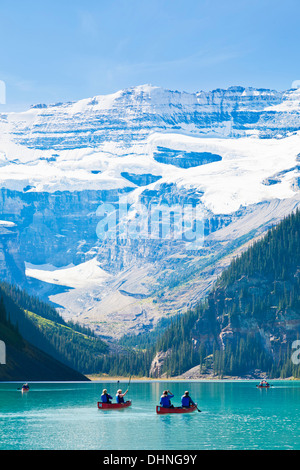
x: 89, y: 25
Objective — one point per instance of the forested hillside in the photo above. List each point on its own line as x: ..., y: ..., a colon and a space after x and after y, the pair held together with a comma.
x: 250, y: 319
x: 41, y: 326
x: 24, y: 362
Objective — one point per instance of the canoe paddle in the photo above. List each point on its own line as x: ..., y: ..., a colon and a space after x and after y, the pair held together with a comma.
x: 129, y: 383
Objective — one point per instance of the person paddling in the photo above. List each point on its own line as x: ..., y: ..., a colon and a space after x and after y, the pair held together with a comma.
x: 165, y: 401
x: 186, y: 400
x: 105, y: 397
x: 263, y: 383
x: 25, y: 387
x: 120, y: 396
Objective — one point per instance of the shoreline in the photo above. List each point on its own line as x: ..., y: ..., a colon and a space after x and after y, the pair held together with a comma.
x: 95, y: 378
x: 124, y: 380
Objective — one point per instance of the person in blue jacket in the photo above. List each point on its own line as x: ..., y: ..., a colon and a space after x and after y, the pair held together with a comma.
x: 105, y: 397
x: 120, y: 396
x: 186, y: 400
x: 165, y: 401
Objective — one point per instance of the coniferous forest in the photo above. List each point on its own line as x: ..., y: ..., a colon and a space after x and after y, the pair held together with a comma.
x: 259, y: 294
x: 41, y: 325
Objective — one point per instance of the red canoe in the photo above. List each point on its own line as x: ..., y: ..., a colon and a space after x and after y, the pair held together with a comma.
x: 263, y: 386
x: 113, y: 406
x: 160, y: 410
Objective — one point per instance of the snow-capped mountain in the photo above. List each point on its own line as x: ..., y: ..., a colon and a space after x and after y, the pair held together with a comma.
x: 233, y: 152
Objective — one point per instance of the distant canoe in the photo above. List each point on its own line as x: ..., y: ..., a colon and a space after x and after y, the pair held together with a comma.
x: 160, y: 410
x: 263, y: 386
x: 113, y: 406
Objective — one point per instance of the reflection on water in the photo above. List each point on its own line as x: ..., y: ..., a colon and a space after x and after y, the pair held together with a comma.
x: 235, y: 415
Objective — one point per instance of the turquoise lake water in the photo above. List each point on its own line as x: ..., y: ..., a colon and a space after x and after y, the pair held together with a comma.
x: 235, y: 415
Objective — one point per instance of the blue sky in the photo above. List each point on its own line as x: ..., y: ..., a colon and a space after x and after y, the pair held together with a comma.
x: 67, y: 50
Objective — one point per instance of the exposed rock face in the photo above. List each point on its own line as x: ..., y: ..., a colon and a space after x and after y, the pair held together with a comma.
x: 277, y: 330
x: 58, y: 228
x: 155, y: 370
x: 12, y: 268
x: 183, y: 159
x: 140, y: 180
x: 233, y: 153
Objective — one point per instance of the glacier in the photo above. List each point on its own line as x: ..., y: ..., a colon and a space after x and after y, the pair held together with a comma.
x: 234, y: 151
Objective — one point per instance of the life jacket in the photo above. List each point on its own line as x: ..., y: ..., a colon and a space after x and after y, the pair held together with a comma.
x: 185, y: 401
x: 165, y: 401
x: 119, y: 398
x: 105, y: 398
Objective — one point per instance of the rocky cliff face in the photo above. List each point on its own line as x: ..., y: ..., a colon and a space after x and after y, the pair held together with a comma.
x: 130, y: 115
x: 231, y: 153
x: 277, y: 329
x: 58, y: 229
x: 12, y: 267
